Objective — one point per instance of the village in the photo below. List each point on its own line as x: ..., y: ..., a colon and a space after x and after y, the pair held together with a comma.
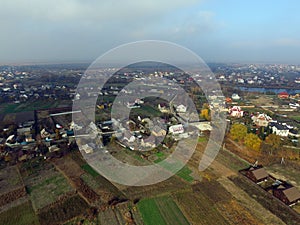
x: 259, y: 154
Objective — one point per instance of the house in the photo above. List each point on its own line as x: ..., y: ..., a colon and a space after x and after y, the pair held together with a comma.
x: 283, y: 95
x: 44, y: 133
x: 261, y: 120
x: 189, y: 117
x: 236, y: 111
x: 86, y: 148
x: 202, y: 126
x: 128, y: 137
x: 181, y: 109
x: 228, y: 100
x: 286, y: 192
x: 235, y: 96
x: 148, y: 142
x: 294, y: 133
x: 148, y: 123
x: 157, y: 131
x: 176, y: 129
x: 279, y: 129
x: 163, y: 108
x: 132, y: 105
x: 53, y: 148
x: 257, y: 174
x: 139, y: 101
x: 24, y: 131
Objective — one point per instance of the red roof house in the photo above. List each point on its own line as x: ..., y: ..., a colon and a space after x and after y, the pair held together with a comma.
x: 283, y: 95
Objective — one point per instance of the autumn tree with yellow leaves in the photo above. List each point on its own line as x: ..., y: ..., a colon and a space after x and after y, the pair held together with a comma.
x: 252, y: 141
x: 205, y: 112
x: 238, y: 132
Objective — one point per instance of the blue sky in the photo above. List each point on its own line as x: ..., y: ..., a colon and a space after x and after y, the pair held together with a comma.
x: 217, y: 30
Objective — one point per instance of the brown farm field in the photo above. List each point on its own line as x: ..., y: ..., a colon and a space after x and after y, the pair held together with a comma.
x: 10, y: 179
x: 63, y: 210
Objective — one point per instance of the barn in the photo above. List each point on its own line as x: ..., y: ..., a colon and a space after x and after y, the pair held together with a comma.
x: 257, y: 174
x: 287, y: 193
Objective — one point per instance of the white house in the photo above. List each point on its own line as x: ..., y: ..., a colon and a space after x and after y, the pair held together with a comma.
x: 202, y: 126
x: 128, y: 137
x: 280, y: 129
x: 181, y: 109
x: 261, y: 119
x: 294, y: 133
x: 236, y: 111
x: 86, y: 148
x: 176, y: 129
x: 235, y: 96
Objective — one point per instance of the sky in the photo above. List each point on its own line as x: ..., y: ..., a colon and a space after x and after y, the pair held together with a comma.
x: 56, y: 31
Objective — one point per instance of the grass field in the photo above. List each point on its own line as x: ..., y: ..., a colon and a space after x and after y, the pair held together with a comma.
x: 19, y: 215
x: 161, y: 211
x: 150, y: 212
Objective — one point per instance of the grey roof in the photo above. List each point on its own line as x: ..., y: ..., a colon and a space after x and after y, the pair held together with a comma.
x: 157, y: 129
x: 279, y: 126
x: 150, y: 139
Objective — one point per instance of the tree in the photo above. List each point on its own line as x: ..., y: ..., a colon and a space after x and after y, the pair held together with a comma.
x: 205, y: 114
x: 238, y: 131
x: 274, y: 142
x: 253, y: 142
